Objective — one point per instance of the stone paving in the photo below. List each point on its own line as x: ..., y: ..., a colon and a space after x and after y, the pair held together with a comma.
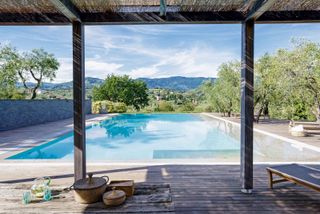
x: 277, y: 127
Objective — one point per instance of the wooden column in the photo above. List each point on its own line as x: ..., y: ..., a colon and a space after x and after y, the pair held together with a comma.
x: 247, y: 115
x: 79, y: 101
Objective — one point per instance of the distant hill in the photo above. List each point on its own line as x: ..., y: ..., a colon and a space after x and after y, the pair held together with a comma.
x: 173, y: 83
x: 176, y: 83
x: 45, y: 85
x: 90, y: 82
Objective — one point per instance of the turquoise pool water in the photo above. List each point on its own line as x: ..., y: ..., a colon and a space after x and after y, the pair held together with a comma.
x: 164, y: 136
x: 143, y: 137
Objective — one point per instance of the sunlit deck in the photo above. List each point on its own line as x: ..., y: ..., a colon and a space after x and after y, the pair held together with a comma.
x: 194, y: 189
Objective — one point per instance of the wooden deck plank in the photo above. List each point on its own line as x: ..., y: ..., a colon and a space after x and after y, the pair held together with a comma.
x: 194, y: 189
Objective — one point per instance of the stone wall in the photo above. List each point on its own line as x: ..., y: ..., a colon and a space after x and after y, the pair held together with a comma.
x: 19, y: 113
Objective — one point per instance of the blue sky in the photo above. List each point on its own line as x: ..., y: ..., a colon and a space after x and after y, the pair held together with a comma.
x: 154, y: 50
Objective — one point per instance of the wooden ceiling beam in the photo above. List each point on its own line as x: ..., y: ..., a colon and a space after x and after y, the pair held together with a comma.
x: 156, y: 18
x: 260, y: 7
x: 303, y: 16
x: 33, y: 19
x: 68, y: 9
x: 219, y: 17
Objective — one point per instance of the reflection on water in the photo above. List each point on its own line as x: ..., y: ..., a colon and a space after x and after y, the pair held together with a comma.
x: 123, y: 126
x: 168, y: 136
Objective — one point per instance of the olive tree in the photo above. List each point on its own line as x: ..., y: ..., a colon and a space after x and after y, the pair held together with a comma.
x: 225, y: 93
x: 10, y: 63
x: 37, y: 65
x: 303, y: 74
x: 266, y: 78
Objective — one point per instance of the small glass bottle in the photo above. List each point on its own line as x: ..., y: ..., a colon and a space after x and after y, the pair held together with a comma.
x: 26, y: 197
x: 47, y: 194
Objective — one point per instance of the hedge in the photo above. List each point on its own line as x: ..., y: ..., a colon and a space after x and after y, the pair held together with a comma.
x: 103, y: 107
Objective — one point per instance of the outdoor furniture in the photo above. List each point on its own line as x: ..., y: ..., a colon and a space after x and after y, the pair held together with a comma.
x: 295, y: 173
x: 305, y: 125
x: 297, y: 131
x: 308, y: 128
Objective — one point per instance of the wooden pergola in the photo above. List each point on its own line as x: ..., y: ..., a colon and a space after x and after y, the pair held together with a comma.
x: 79, y: 13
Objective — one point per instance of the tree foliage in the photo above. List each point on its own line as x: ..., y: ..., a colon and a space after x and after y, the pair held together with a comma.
x: 287, y: 84
x: 300, y: 80
x: 9, y: 63
x: 266, y: 77
x: 122, y: 89
x: 36, y: 66
x: 224, y: 94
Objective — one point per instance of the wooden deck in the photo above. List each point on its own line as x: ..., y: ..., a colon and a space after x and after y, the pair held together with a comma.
x: 194, y: 189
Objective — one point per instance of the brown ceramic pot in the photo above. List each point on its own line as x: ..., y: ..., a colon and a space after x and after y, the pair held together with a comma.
x: 114, y: 197
x: 90, y: 190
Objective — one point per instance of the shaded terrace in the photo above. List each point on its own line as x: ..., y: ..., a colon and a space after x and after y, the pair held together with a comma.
x: 79, y: 13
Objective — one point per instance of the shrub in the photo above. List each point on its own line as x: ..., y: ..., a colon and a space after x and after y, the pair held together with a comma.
x: 208, y: 108
x: 119, y: 107
x: 11, y: 93
x: 187, y: 107
x: 204, y: 108
x: 96, y: 107
x: 148, y: 109
x: 164, y: 106
x: 103, y: 107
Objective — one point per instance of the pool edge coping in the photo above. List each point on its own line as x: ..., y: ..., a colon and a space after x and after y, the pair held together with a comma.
x: 47, y: 162
x: 292, y: 141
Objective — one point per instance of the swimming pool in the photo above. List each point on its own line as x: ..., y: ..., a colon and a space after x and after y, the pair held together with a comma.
x: 129, y: 137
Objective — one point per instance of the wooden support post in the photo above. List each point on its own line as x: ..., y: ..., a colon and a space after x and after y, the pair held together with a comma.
x: 247, y: 114
x: 79, y: 101
x: 270, y: 179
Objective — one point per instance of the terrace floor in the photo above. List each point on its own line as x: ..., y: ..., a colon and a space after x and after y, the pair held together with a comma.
x: 194, y: 189
x: 277, y: 127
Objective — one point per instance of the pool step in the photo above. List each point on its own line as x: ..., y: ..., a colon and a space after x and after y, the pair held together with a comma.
x: 186, y: 154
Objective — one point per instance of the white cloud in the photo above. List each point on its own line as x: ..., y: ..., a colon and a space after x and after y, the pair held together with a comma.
x: 150, y: 71
x: 101, y: 69
x: 93, y: 68
x: 192, y: 62
x: 133, y: 54
x: 64, y: 73
x: 104, y: 38
x: 195, y: 59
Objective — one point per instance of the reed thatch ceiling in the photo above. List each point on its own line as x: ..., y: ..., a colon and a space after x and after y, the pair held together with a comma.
x: 148, y: 11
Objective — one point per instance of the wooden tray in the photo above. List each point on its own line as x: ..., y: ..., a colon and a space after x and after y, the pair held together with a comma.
x: 125, y: 185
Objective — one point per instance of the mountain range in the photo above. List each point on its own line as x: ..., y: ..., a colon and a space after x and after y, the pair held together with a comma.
x: 174, y: 83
